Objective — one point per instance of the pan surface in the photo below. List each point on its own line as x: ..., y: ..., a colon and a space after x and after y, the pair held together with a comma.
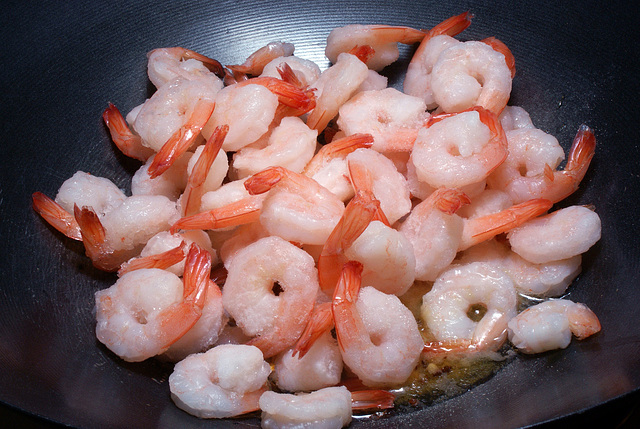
x: 577, y: 62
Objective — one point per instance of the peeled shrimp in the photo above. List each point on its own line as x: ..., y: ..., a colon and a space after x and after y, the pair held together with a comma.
x: 167, y: 64
x: 383, y: 39
x: 276, y: 318
x: 378, y: 336
x: 225, y: 381
x: 549, y: 325
x: 560, y: 235
x: 466, y: 289
x: 148, y: 310
x: 296, y: 208
x: 460, y: 149
x: 391, y: 117
x: 529, y: 170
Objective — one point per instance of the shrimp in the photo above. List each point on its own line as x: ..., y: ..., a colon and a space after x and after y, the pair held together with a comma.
x: 256, y: 62
x: 378, y: 336
x: 148, y: 310
x: 369, y: 170
x: 471, y: 74
x: 171, y: 183
x: 537, y: 280
x: 470, y: 304
x: 126, y: 140
x: 329, y: 167
x: 393, y: 118
x: 274, y: 315
x: 549, y: 325
x: 417, y: 81
x: 291, y: 145
x: 207, y: 169
x: 167, y: 64
x: 225, y: 381
x: 297, y: 208
x: 459, y: 150
x: 560, y: 235
x: 383, y: 39
x: 305, y: 71
x: 334, y: 87
x: 529, y: 170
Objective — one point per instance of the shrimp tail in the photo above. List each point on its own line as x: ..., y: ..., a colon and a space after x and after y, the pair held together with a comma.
x: 339, y: 148
x: 128, y: 143
x: 56, y: 216
x: 162, y: 260
x: 372, y: 400
x: 95, y: 241
x: 449, y: 200
x: 264, y: 180
x: 320, y: 322
x: 581, y: 153
x: 182, y: 139
x: 237, y: 213
x: 486, y: 227
x: 499, y: 46
x: 451, y: 26
x: 193, y: 193
x: 213, y: 65
x: 347, y: 321
x: 363, y: 52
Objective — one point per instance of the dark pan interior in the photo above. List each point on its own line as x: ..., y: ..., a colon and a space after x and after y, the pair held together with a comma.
x: 577, y: 62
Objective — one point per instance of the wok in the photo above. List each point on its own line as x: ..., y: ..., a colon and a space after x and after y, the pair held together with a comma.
x: 63, y: 61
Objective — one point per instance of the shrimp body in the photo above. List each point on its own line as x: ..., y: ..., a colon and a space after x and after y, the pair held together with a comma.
x: 225, y: 381
x: 296, y: 208
x: 248, y: 296
x: 560, y: 235
x: 471, y: 74
x: 291, y: 145
x: 391, y: 117
x: 325, y: 408
x: 459, y: 150
x: 377, y: 334
x: 459, y: 291
x: 84, y: 189
x: 148, y: 310
x: 549, y: 325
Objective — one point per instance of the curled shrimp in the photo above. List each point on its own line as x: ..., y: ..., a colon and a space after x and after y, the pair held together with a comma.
x: 378, y: 336
x: 459, y: 150
x: 167, y: 64
x: 524, y: 176
x: 148, y: 310
x: 549, y: 325
x: 275, y: 318
x: 296, y: 208
x: 225, y: 381
x: 417, y: 81
x: 256, y: 62
x: 382, y: 39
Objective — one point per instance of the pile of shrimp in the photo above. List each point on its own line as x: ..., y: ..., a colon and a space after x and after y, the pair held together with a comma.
x: 269, y: 267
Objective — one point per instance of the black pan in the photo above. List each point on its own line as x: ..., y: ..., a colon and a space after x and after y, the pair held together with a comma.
x: 63, y: 61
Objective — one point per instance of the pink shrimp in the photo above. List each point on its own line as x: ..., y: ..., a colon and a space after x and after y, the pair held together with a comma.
x: 129, y: 143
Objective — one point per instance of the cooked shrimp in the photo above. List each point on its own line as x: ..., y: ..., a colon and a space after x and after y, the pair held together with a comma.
x: 207, y: 170
x: 334, y: 87
x: 171, y: 183
x: 297, y: 208
x: 305, y: 71
x: 256, y: 62
x: 459, y: 150
x: 560, y: 235
x: 383, y: 39
x: 329, y: 167
x: 378, y: 336
x: 534, y: 280
x: 275, y: 318
x: 291, y: 145
x: 417, y: 81
x: 225, y: 381
x: 369, y: 170
x: 167, y: 64
x: 470, y: 304
x: 327, y: 408
x: 469, y: 74
x: 393, y: 118
x: 126, y: 140
x: 529, y: 170
x: 549, y: 325
x: 148, y: 310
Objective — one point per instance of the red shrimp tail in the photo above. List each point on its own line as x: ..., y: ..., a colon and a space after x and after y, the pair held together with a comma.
x: 499, y: 46
x: 451, y: 26
x: 321, y: 321
x: 128, y: 143
x: 237, y: 213
x: 264, y: 180
x: 449, y: 200
x: 197, y: 273
x: 363, y: 52
x: 362, y: 400
x: 213, y: 65
x: 95, y: 241
x: 162, y: 260
x: 56, y: 216
x: 582, y: 151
